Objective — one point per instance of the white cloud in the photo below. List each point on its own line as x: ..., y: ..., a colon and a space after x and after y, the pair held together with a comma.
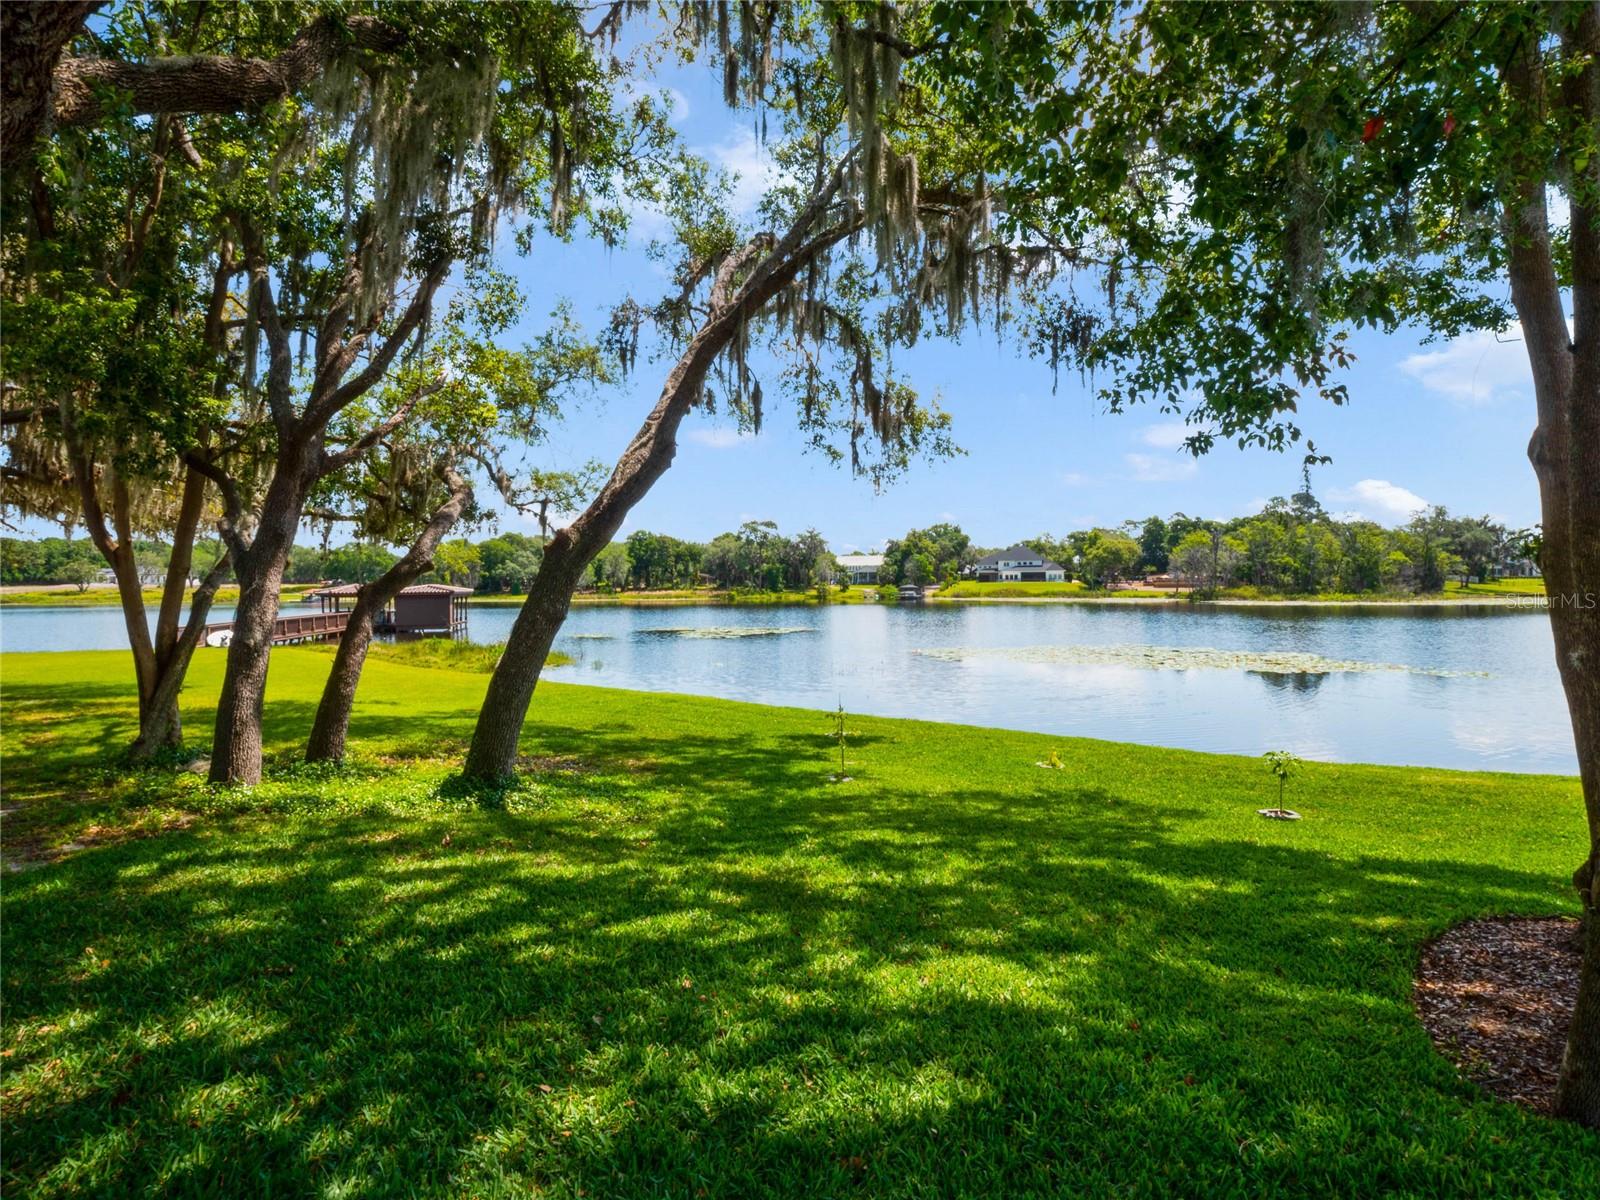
x: 1168, y: 435
x: 1075, y: 479
x: 718, y: 437
x: 1477, y: 369
x: 752, y: 165
x: 1380, y: 500
x: 678, y: 103
x: 1168, y: 468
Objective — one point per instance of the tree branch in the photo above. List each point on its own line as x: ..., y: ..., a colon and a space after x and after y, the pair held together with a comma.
x: 326, y: 405
x: 280, y: 355
x: 334, y: 353
x: 722, y: 287
x: 204, y: 83
x: 791, y: 240
x: 232, y: 504
x: 337, y: 459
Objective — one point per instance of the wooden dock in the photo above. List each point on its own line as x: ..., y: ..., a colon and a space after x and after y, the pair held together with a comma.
x: 308, y: 627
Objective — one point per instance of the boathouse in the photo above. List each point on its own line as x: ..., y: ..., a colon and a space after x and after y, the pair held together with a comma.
x: 422, y: 608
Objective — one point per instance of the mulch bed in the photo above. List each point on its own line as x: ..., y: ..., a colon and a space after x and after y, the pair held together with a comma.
x: 1496, y: 995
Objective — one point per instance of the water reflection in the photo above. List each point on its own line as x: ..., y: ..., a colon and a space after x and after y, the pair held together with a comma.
x: 1292, y: 681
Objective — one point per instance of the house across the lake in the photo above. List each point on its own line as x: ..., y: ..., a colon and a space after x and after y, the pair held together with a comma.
x: 419, y: 609
x: 1020, y: 564
x: 860, y: 568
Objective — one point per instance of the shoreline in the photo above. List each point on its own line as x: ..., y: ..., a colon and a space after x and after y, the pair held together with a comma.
x: 1529, y: 602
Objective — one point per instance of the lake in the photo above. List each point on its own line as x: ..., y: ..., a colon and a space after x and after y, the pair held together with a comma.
x: 1471, y: 688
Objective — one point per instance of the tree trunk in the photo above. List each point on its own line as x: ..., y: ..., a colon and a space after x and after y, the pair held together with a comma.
x: 493, y: 755
x: 160, y: 726
x: 332, y: 724
x: 35, y: 36
x: 1565, y: 452
x: 236, y: 742
x: 773, y: 264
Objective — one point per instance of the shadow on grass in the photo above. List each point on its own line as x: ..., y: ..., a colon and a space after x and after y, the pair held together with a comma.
x: 779, y: 988
x: 688, y: 963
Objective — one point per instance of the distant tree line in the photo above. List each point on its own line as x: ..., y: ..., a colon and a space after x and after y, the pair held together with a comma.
x: 1290, y: 547
x: 77, y: 561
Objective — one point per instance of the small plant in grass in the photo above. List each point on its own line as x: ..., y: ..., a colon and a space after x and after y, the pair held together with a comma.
x: 1282, y: 764
x: 839, y: 736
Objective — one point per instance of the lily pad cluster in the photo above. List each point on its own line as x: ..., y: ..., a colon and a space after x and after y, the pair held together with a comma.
x: 727, y: 631
x: 1181, y: 658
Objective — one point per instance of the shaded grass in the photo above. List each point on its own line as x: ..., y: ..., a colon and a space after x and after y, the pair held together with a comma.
x: 674, y: 960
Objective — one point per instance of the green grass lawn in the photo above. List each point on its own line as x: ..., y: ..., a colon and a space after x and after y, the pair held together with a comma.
x: 971, y: 589
x: 1498, y: 587
x: 1502, y: 588
x: 717, y: 596
x: 1074, y: 590
x: 677, y: 961
x: 106, y: 597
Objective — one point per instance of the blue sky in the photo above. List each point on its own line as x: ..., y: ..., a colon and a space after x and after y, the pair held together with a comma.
x: 1441, y: 423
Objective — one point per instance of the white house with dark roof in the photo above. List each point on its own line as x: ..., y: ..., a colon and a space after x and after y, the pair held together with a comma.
x: 859, y: 568
x: 1019, y: 564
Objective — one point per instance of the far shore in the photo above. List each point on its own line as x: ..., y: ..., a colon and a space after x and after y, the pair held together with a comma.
x: 102, y: 596
x: 1531, y: 602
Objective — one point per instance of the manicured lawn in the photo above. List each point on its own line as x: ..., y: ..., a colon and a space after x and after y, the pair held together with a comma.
x: 718, y: 596
x: 678, y: 961
x: 106, y: 597
x: 1498, y: 587
x: 971, y: 589
x: 1503, y: 588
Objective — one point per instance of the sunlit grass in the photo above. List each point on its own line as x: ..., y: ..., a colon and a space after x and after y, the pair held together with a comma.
x: 1498, y: 587
x: 676, y: 959
x: 737, y: 597
x: 971, y: 589
x: 1505, y: 588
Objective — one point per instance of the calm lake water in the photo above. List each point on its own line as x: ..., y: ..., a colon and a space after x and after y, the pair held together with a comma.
x: 1479, y: 689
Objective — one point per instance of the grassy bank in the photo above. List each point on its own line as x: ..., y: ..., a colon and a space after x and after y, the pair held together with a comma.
x: 106, y: 597
x: 1072, y: 589
x: 677, y: 960
x: 1504, y: 589
x: 713, y: 596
